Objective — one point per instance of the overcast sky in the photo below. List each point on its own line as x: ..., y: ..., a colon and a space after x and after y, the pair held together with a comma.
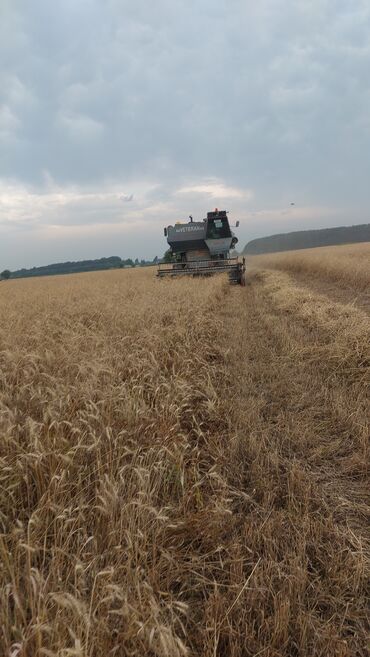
x: 118, y: 117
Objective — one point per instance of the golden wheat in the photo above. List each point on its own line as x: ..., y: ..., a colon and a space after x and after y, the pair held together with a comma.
x: 346, y: 265
x: 182, y: 468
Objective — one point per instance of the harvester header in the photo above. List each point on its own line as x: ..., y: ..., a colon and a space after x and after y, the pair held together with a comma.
x: 202, y: 248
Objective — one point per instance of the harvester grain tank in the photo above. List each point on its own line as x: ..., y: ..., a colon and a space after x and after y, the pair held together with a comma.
x: 202, y: 248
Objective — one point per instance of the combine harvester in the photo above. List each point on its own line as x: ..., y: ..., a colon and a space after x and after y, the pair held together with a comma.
x: 202, y: 248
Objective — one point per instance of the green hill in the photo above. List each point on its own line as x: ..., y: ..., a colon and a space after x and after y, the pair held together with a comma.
x: 307, y: 239
x: 70, y: 267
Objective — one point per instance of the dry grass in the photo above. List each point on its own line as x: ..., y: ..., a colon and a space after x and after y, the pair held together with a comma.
x: 347, y: 265
x: 182, y: 468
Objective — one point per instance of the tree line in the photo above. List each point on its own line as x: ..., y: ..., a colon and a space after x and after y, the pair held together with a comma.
x: 113, y: 262
x: 307, y: 239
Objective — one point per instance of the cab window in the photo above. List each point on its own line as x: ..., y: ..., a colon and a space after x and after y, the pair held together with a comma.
x: 218, y: 228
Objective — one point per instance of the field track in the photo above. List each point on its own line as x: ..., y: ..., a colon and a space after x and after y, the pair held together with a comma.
x: 340, y: 272
x: 184, y: 465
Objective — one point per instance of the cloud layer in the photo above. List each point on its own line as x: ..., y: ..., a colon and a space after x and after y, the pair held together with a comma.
x: 178, y: 106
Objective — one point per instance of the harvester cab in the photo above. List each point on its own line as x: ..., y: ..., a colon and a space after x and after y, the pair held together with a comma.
x: 202, y: 248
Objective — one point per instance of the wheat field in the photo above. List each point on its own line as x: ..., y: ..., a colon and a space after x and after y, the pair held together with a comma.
x: 345, y: 265
x: 184, y: 465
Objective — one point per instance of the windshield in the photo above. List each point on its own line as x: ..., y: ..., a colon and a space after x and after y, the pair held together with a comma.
x: 218, y: 228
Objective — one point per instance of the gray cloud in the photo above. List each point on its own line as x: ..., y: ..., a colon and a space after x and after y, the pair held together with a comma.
x: 267, y: 102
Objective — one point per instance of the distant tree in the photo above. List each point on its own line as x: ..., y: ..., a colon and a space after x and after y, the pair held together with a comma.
x: 155, y: 260
x: 168, y: 256
x: 127, y: 263
x: 5, y: 275
x: 136, y: 262
x: 307, y: 239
